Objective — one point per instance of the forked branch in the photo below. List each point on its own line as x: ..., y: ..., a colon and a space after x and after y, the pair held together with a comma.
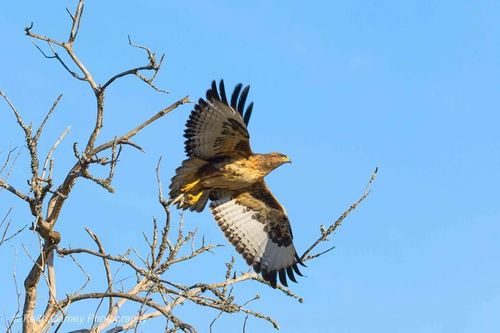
x: 154, y: 292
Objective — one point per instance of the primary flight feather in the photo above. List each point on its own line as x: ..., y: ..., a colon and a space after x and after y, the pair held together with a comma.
x: 222, y: 168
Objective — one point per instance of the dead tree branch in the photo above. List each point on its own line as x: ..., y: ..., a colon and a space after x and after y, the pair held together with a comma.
x: 154, y: 292
x: 4, y: 229
x: 46, y: 212
x: 331, y: 229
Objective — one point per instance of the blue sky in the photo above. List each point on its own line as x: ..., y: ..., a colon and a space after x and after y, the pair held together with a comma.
x: 341, y: 87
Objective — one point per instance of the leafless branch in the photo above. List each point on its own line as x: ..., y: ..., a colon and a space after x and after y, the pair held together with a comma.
x: 15, y: 191
x: 153, y: 292
x: 109, y: 276
x: 331, y: 229
x: 3, y: 182
x: 16, y: 316
x: 221, y: 292
x: 153, y: 66
x: 16, y: 113
x: 48, y: 158
x: 55, y: 55
x: 47, y: 116
x: 4, y: 229
x: 8, y: 160
x: 76, y: 18
x: 88, y: 277
x: 41, y: 182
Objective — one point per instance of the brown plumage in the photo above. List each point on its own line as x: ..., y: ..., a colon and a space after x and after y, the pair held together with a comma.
x: 222, y: 167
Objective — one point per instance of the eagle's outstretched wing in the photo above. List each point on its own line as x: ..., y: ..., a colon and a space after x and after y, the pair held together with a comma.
x: 258, y: 226
x: 217, y: 128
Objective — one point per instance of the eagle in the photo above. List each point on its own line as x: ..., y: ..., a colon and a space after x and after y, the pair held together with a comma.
x: 222, y: 168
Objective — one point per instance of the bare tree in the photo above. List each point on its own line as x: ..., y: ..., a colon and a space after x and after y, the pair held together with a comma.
x: 153, y: 295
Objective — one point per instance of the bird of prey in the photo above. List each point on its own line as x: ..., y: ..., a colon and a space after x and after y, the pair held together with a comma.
x: 222, y: 168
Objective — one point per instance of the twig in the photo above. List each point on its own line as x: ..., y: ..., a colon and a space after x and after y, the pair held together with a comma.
x: 331, y: 229
x: 55, y: 55
x: 58, y: 199
x: 107, y: 268
x: 7, y: 160
x: 88, y: 277
x: 151, y: 287
x: 75, y: 27
x: 15, y: 191
x: 52, y: 150
x: 16, y: 114
x: 4, y: 237
x: 130, y: 134
x: 47, y: 116
x: 3, y: 182
x: 16, y: 315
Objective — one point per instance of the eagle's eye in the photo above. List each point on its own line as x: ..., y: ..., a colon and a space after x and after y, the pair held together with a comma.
x: 283, y: 157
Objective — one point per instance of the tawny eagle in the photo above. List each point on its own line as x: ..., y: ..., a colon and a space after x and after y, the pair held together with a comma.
x: 222, y: 168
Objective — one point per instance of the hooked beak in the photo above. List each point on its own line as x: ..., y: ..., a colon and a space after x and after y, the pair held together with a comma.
x: 288, y: 160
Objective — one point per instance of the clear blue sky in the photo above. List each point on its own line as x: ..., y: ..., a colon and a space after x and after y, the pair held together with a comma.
x: 341, y: 87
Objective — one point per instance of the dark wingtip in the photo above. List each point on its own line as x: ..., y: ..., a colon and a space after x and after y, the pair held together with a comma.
x: 248, y: 113
x: 273, y: 279
x: 296, y: 269
x: 299, y: 260
x: 234, y: 96
x: 289, y: 272
x: 243, y: 99
x: 212, y: 92
x: 222, y: 90
x: 270, y: 277
x: 282, y: 276
x: 201, y: 103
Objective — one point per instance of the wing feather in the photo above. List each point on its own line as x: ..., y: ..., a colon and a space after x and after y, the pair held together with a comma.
x: 234, y: 96
x: 215, y: 128
x: 248, y: 113
x: 223, y: 92
x: 258, y: 226
x: 243, y: 99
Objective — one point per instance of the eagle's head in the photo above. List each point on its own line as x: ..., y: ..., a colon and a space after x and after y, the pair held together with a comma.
x: 279, y: 158
x: 268, y: 162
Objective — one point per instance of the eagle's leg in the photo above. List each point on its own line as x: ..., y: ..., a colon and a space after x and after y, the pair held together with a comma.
x: 186, y: 188
x: 192, y: 192
x: 192, y: 199
x: 186, y: 200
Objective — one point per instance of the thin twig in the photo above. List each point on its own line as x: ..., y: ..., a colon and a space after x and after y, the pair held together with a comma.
x: 48, y: 158
x: 107, y: 268
x: 331, y: 229
x: 47, y: 116
x: 16, y: 315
